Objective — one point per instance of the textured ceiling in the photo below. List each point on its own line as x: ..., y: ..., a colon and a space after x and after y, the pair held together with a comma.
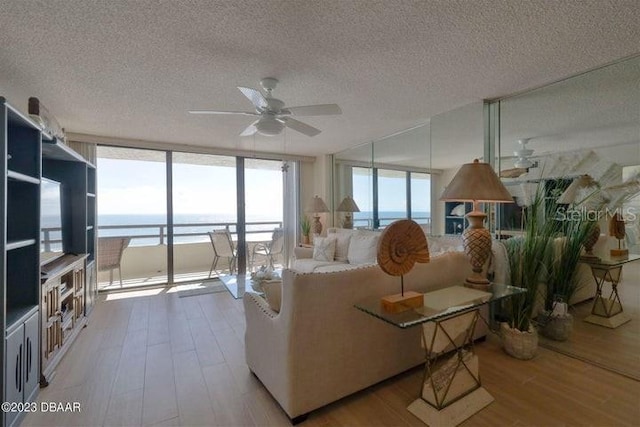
x: 131, y: 69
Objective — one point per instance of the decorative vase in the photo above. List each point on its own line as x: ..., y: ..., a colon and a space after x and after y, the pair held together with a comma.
x: 518, y: 344
x: 477, y: 246
x: 558, y: 328
x: 591, y: 240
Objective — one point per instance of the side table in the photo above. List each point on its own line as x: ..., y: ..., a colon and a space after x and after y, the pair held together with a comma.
x: 608, y: 311
x: 451, y: 390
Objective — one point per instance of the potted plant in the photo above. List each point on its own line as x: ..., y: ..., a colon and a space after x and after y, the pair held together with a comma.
x: 305, y: 226
x: 556, y: 322
x: 528, y: 256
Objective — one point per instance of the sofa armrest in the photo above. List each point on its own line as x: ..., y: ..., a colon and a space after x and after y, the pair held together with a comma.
x: 267, y: 344
x: 303, y: 253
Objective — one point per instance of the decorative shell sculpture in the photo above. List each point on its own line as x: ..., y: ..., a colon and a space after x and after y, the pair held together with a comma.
x: 402, y: 244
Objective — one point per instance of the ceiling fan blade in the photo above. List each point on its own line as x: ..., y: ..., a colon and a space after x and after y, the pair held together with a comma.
x: 255, y: 96
x: 244, y: 113
x: 250, y: 130
x: 298, y: 126
x: 316, y: 110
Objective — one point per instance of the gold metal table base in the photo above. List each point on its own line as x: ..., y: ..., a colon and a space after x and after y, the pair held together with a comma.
x: 451, y: 389
x: 607, y: 312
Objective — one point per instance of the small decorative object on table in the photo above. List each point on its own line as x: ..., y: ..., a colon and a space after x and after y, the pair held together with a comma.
x: 617, y: 230
x: 402, y: 244
x: 263, y: 274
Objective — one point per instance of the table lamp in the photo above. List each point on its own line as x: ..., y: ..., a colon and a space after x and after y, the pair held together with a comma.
x: 476, y: 182
x: 316, y: 207
x: 349, y: 206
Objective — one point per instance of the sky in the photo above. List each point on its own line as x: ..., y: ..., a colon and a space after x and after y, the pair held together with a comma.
x: 392, y: 193
x: 138, y: 187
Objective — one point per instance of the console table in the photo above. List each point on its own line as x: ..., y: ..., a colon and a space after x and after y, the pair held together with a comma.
x: 451, y: 389
x: 608, y: 312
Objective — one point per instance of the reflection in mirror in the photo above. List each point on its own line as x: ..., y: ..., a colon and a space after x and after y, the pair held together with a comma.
x: 388, y: 179
x: 352, y: 176
x: 588, y: 124
x: 456, y: 139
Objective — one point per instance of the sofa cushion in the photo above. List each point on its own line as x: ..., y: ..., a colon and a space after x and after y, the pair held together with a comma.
x: 363, y: 248
x: 342, y: 247
x: 273, y: 294
x: 324, y: 248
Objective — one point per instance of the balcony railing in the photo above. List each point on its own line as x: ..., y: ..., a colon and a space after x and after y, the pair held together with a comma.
x: 156, y: 234
x: 368, y: 222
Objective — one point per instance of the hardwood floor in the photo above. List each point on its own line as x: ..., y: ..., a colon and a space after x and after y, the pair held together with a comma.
x: 616, y: 349
x: 153, y: 358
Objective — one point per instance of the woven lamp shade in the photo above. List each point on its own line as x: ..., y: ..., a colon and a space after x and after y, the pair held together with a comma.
x: 317, y: 205
x: 476, y: 182
x: 348, y: 205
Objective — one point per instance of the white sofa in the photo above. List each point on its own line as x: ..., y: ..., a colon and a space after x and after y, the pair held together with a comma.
x: 356, y: 248
x: 320, y: 348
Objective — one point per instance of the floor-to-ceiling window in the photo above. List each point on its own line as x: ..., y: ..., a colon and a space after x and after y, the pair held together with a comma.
x: 391, y: 195
x: 164, y: 225
x: 264, y: 193
x: 132, y: 217
x: 362, y: 195
x: 204, y: 200
x: 420, y: 191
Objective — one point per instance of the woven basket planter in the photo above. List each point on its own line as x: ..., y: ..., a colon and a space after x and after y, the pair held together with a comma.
x: 521, y: 345
x: 557, y: 328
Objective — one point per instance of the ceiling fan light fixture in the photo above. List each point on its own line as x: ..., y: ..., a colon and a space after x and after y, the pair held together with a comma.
x: 523, y: 153
x: 523, y: 163
x: 269, y: 126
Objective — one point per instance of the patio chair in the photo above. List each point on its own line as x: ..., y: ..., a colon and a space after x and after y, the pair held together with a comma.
x: 222, y: 248
x: 110, y: 250
x: 271, y: 249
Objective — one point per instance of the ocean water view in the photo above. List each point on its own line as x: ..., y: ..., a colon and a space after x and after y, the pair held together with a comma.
x: 188, y: 230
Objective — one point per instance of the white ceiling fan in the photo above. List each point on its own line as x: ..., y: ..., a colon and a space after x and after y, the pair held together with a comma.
x: 272, y: 114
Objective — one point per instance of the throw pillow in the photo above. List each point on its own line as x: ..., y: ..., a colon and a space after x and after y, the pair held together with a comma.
x: 342, y: 247
x: 363, y: 249
x: 273, y: 294
x: 324, y: 248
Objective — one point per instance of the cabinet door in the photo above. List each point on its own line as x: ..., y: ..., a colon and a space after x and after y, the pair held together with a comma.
x: 14, y: 373
x: 31, y: 356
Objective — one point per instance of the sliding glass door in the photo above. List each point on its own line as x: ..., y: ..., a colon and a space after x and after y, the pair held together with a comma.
x: 132, y: 217
x: 204, y: 200
x: 215, y: 215
x: 264, y: 192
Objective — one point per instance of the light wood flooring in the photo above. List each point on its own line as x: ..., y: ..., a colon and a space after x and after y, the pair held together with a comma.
x: 156, y: 359
x: 617, y: 349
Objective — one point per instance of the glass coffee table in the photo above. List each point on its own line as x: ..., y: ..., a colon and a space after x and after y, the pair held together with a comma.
x: 451, y: 389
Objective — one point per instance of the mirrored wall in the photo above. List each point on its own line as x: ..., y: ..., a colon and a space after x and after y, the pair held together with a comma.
x: 403, y: 175
x: 388, y: 179
x: 588, y: 124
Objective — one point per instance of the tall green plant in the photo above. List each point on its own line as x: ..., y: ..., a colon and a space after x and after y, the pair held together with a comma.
x: 567, y: 248
x: 528, y: 260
